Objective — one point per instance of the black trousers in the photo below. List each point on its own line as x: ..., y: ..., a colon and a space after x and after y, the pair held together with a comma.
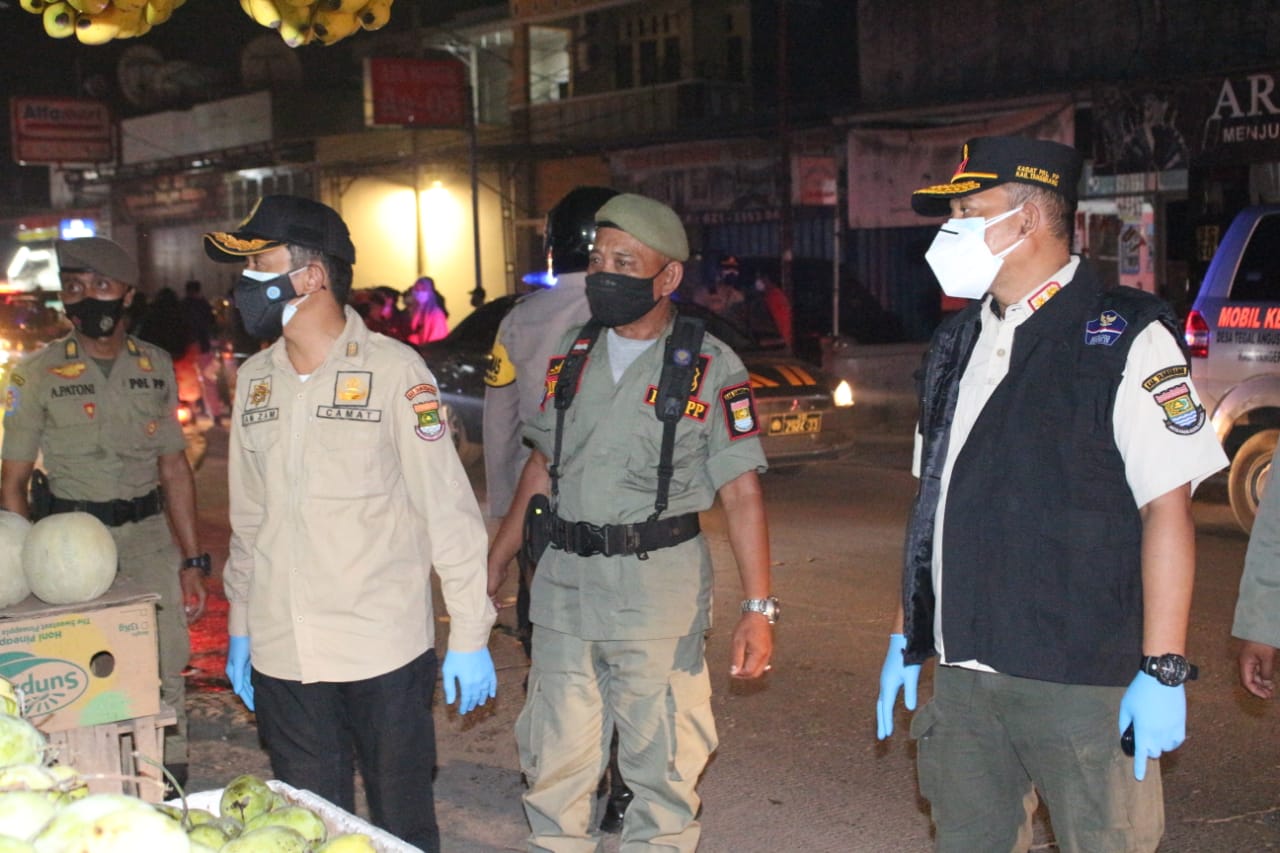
x: 315, y: 734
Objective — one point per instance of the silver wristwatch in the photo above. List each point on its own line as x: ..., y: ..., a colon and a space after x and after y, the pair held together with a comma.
x: 767, y: 606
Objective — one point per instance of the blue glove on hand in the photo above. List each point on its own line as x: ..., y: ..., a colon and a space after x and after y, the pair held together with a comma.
x: 1159, y: 717
x: 238, y: 669
x: 474, y: 673
x: 895, y: 675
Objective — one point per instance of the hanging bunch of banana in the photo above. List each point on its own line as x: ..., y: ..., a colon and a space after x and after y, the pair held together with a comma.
x: 301, y: 22
x: 100, y: 21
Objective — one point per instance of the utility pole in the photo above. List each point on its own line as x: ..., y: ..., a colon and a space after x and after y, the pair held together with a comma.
x: 786, y: 226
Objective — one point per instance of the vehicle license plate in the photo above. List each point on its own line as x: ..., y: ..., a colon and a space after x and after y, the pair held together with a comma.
x: 795, y: 423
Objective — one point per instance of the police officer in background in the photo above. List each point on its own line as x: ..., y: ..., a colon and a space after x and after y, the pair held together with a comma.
x: 102, y: 407
x: 622, y: 596
x: 1050, y: 553
x: 514, y: 385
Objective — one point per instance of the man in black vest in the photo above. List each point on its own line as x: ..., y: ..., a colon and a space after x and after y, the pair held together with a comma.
x: 1051, y: 549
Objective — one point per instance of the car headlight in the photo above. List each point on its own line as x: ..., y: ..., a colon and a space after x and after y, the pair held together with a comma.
x: 843, y: 395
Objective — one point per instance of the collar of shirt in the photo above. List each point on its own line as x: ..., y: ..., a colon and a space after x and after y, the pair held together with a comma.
x: 1019, y: 311
x: 351, y: 346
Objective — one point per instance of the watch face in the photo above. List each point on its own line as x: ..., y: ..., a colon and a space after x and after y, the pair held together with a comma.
x: 1172, y: 669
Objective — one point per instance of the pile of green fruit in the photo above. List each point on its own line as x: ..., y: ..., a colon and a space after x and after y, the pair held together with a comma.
x: 47, y: 808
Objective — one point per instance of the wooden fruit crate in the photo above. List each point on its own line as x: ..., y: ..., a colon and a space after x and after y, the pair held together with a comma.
x: 104, y: 754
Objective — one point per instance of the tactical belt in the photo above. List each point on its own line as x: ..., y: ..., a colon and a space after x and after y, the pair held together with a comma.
x: 586, y: 539
x: 117, y: 512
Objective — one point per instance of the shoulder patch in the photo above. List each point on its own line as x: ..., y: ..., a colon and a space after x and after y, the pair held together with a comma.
x: 1183, y: 414
x: 740, y: 416
x: 501, y: 371
x: 1164, y: 374
x: 1105, y: 330
x: 12, y: 398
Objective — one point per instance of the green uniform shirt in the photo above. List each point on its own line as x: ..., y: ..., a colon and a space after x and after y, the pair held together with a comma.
x: 609, y: 475
x: 101, y: 435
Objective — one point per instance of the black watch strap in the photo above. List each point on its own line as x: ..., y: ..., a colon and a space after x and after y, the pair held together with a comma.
x: 204, y: 563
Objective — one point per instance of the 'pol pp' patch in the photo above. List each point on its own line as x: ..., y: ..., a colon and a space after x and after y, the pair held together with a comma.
x: 1105, y: 330
x: 739, y: 411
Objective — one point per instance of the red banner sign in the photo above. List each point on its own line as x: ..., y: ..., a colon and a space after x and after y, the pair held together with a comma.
x: 60, y: 130
x: 415, y: 92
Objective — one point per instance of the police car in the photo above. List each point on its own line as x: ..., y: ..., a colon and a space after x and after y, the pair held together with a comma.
x: 805, y: 413
x: 1233, y: 335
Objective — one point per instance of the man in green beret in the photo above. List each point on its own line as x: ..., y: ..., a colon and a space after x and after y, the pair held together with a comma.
x: 102, y: 407
x: 622, y: 597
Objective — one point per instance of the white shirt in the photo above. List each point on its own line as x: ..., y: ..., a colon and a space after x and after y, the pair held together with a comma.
x: 1157, y: 457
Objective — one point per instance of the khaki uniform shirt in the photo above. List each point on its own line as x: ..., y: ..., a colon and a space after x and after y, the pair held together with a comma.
x: 345, y: 490
x: 528, y: 336
x: 101, y: 435
x: 609, y: 465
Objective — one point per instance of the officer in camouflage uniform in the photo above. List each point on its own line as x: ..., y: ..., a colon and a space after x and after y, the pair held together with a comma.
x: 102, y: 407
x: 621, y: 601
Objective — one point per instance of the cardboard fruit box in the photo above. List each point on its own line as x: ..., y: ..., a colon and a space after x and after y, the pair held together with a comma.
x: 336, y: 821
x: 85, y: 664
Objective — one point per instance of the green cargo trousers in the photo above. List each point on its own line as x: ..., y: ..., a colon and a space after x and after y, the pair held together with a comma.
x: 988, y: 743
x: 149, y: 558
x: 658, y: 694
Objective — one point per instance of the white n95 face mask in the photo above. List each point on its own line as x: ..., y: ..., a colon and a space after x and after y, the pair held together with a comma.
x: 960, y: 258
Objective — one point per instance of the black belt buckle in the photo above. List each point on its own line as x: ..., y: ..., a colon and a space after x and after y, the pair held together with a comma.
x: 588, y: 539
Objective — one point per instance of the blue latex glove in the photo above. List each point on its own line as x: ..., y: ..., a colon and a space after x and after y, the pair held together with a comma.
x: 1159, y: 717
x: 473, y: 672
x: 238, y: 669
x: 895, y: 675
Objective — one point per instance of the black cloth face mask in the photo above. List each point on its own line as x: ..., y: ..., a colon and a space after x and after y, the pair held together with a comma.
x: 95, y: 318
x: 260, y: 298
x: 616, y: 299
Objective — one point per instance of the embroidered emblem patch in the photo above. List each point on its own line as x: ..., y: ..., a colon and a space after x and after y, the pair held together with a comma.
x: 1182, y: 414
x: 144, y: 364
x: 1163, y: 375
x: 429, y: 427
x: 739, y: 411
x: 351, y: 388
x: 554, y: 367
x: 91, y: 409
x: 424, y: 388
x: 1043, y: 295
x: 69, y: 371
x: 694, y: 409
x: 12, y: 397
x: 259, y: 393
x: 1105, y: 330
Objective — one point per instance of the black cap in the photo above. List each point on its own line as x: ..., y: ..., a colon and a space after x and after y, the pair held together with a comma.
x: 989, y: 161
x: 277, y: 220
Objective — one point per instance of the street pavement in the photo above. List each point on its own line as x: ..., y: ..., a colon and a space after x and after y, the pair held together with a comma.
x: 799, y: 767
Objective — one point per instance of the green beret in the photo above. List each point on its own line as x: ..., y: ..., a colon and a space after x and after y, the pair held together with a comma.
x: 649, y: 221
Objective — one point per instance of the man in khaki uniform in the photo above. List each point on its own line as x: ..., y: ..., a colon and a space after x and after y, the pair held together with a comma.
x: 345, y: 491
x: 102, y: 406
x: 622, y: 598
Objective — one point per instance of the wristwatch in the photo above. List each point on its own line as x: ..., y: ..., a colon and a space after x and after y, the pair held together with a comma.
x: 1170, y: 670
x: 767, y: 606
x: 203, y: 563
